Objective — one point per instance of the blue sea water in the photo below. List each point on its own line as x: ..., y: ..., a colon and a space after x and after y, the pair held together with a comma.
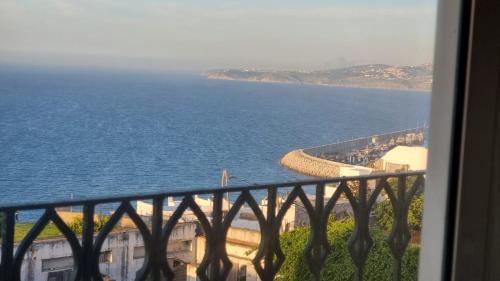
x: 89, y: 133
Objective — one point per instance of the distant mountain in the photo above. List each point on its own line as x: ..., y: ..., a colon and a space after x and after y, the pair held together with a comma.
x: 363, y: 76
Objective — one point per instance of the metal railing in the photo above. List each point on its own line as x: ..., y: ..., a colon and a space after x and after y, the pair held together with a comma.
x: 215, y: 265
x: 359, y: 143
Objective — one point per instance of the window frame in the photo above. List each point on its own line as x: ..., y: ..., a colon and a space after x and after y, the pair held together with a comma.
x: 463, y: 183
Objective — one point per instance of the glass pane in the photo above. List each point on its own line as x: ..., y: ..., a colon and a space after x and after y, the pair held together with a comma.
x: 146, y: 106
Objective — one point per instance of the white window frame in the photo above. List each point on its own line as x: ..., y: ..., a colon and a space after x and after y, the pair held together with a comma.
x: 461, y: 211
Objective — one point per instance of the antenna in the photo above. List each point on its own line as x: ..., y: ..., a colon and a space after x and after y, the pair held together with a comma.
x: 224, y: 182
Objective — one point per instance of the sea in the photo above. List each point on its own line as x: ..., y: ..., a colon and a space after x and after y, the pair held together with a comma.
x: 80, y: 133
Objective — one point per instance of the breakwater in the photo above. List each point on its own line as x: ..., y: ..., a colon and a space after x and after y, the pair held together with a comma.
x: 308, y: 165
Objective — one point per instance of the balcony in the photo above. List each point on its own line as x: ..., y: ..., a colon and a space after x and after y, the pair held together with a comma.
x: 361, y: 194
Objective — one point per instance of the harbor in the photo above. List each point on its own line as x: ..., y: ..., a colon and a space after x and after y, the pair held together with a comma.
x: 353, y: 157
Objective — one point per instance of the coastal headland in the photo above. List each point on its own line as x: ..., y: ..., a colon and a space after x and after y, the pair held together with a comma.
x: 373, y: 76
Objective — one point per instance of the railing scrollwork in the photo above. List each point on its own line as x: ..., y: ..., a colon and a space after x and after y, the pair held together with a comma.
x: 215, y: 264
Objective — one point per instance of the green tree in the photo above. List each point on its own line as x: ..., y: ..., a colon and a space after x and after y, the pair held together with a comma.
x: 339, y: 266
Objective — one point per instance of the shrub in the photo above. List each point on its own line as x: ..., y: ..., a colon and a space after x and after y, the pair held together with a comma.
x: 1, y: 221
x: 339, y: 266
x: 385, y: 215
x: 77, y: 224
x: 100, y: 222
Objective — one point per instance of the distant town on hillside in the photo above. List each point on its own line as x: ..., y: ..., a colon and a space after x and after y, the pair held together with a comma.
x: 362, y: 76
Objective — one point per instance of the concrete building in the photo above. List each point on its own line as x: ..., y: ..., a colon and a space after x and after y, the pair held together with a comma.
x: 122, y: 255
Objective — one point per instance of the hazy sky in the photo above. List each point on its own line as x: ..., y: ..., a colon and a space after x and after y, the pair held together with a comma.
x: 204, y: 34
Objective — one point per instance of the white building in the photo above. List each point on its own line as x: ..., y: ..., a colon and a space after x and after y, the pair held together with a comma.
x: 403, y: 158
x: 122, y: 255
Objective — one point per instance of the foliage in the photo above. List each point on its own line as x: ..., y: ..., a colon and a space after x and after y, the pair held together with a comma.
x: 1, y: 221
x: 77, y: 224
x: 385, y: 215
x: 338, y: 265
x: 100, y: 222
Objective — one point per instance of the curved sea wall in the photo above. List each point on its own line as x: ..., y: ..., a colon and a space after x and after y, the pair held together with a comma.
x: 300, y: 162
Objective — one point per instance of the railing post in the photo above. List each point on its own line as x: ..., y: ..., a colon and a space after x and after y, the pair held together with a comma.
x: 400, y: 235
x: 217, y: 237
x: 363, y: 226
x: 87, y: 242
x: 8, y: 225
x: 360, y: 243
x: 400, y: 216
x: 158, y: 251
x: 319, y: 232
x: 273, y: 236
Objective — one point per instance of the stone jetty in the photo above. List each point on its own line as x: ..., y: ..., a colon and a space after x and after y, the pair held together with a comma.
x: 302, y: 163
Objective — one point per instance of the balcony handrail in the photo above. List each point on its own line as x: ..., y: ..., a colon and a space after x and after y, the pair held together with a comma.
x: 198, y: 191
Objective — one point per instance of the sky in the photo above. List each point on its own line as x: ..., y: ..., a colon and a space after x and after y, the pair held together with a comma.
x: 198, y: 35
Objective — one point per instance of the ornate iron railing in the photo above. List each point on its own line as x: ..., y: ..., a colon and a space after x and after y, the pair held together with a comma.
x: 215, y: 265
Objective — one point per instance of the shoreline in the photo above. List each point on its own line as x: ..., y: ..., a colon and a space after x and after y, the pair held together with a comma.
x: 323, y: 85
